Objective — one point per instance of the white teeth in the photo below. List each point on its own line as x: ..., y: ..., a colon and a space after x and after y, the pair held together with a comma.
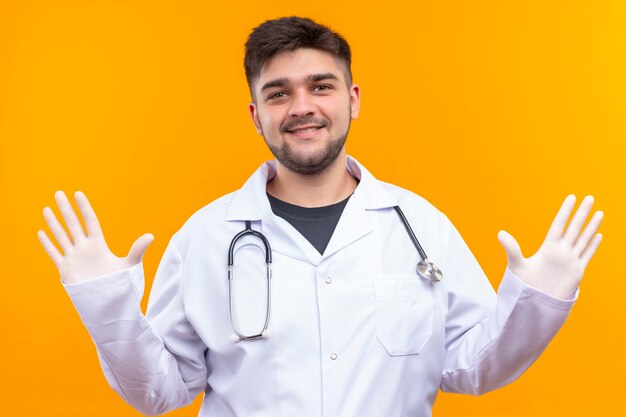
x: 309, y: 130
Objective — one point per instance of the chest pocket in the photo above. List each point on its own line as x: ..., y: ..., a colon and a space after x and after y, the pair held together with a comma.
x: 404, y: 314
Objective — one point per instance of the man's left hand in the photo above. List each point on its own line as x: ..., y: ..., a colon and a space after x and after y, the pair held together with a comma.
x: 558, y: 266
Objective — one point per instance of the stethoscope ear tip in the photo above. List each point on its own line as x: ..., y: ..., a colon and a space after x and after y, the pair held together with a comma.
x: 234, y: 338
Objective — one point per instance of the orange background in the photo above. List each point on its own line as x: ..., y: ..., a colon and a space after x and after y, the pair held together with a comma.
x: 492, y: 110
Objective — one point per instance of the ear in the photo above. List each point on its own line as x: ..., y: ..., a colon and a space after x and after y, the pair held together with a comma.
x: 355, y: 101
x: 254, y: 114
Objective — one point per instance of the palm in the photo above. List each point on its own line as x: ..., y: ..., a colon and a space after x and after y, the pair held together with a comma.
x: 84, y: 256
x: 89, y: 258
x: 558, y: 266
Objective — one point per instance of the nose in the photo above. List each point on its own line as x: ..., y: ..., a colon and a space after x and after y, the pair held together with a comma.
x: 301, y: 104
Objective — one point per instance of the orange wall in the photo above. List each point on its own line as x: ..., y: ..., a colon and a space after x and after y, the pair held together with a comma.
x: 492, y: 110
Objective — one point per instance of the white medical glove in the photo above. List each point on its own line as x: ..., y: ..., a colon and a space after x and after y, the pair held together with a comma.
x: 558, y: 266
x: 84, y: 256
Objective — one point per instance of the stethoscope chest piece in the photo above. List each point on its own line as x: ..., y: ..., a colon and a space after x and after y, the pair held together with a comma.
x: 428, y: 270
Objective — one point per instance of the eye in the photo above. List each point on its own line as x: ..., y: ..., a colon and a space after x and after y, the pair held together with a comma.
x: 322, y: 87
x: 279, y: 94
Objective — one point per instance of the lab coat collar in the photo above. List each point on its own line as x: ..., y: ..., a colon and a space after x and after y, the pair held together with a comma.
x: 370, y: 192
x: 251, y: 203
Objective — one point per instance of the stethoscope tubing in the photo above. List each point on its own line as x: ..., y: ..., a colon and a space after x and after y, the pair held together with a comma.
x: 409, y: 230
x: 268, y: 262
x: 249, y: 231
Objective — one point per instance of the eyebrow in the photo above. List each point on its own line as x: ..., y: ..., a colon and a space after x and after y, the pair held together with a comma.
x: 280, y: 82
x: 322, y: 77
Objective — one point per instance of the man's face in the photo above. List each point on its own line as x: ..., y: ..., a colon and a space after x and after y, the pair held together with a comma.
x: 303, y: 109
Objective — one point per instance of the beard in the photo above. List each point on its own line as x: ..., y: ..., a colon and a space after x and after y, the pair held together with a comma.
x: 310, y: 164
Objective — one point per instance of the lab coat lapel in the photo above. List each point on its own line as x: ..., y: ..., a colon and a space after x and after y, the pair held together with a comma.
x: 352, y: 226
x: 285, y: 239
x: 251, y: 203
x: 354, y: 222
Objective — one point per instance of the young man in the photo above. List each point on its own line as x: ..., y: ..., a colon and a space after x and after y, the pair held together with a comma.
x: 348, y: 327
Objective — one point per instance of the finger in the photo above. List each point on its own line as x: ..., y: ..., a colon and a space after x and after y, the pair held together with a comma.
x: 72, y: 222
x: 571, y: 234
x: 89, y: 216
x: 588, y: 233
x: 135, y: 255
x: 511, y: 247
x: 560, y: 220
x: 50, y: 249
x: 591, y: 250
x: 57, y: 230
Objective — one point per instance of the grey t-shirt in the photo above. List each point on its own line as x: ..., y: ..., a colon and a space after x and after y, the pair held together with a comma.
x: 316, y: 224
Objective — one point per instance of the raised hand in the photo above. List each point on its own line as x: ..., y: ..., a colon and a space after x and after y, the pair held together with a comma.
x: 84, y: 256
x: 558, y: 266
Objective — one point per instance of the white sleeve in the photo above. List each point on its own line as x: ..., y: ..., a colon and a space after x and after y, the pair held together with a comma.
x: 491, y: 340
x: 155, y: 362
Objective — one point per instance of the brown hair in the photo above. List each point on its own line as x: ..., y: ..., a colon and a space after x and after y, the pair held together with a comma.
x: 288, y: 34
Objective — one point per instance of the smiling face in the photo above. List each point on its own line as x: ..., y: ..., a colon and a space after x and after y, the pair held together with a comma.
x: 303, y: 108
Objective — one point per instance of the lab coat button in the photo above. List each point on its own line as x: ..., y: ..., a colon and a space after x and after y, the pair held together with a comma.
x: 328, y: 280
x: 333, y: 356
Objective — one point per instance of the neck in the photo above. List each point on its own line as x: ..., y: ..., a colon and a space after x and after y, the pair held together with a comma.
x: 331, y: 186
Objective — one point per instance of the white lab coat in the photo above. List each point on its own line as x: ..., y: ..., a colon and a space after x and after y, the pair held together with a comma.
x: 353, y: 333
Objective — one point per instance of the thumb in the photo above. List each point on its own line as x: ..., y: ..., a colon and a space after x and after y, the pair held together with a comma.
x: 135, y: 255
x: 511, y: 247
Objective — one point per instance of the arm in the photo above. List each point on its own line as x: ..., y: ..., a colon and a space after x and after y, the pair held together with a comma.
x: 534, y: 300
x: 156, y: 363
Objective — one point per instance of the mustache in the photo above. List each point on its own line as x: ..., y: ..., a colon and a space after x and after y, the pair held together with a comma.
x: 305, y: 121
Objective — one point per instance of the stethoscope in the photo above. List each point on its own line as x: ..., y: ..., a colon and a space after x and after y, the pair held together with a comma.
x: 425, y: 269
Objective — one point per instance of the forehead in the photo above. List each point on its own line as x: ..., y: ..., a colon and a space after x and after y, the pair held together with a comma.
x: 298, y: 65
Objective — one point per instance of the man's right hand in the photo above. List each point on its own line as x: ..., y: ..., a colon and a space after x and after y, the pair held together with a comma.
x: 84, y: 256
